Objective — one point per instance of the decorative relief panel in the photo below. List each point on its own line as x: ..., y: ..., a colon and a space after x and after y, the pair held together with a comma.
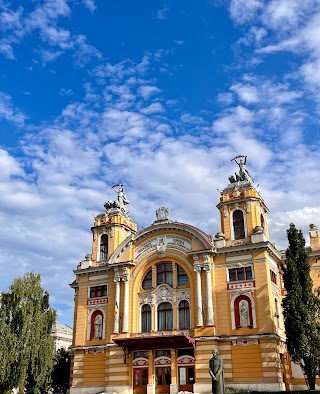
x: 164, y: 293
x: 161, y: 243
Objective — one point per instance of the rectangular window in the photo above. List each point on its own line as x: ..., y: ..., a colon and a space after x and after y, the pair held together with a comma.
x: 242, y: 273
x: 98, y: 291
x: 273, y: 277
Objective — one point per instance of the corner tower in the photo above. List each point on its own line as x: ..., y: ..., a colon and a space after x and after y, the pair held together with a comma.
x: 243, y: 213
x: 110, y: 228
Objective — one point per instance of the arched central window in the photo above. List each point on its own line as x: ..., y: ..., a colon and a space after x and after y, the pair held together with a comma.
x: 146, y: 318
x: 147, y: 281
x: 238, y: 224
x: 165, y: 316
x: 104, y: 247
x: 184, y: 315
x: 164, y: 273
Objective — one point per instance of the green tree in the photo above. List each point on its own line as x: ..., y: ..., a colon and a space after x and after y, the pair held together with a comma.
x: 26, y: 347
x: 301, y: 307
x: 61, y: 371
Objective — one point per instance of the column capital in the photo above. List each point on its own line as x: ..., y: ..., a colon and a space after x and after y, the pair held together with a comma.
x: 195, y: 259
x: 197, y: 268
x: 116, y: 275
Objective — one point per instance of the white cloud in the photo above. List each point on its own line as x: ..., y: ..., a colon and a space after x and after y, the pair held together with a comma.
x: 153, y: 109
x: 248, y: 94
x: 147, y: 91
x: 9, y: 166
x: 9, y: 112
x: 6, y: 50
x: 90, y: 5
x: 242, y: 11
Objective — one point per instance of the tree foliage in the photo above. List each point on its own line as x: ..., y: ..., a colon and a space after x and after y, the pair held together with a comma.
x: 61, y: 371
x: 26, y: 347
x: 301, y: 307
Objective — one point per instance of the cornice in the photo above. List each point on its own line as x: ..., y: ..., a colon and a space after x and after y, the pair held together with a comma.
x: 250, y: 247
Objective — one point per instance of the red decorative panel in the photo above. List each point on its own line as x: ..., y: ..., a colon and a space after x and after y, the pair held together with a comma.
x: 243, y: 285
x: 100, y: 301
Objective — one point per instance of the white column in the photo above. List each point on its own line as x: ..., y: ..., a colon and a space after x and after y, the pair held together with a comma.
x: 126, y: 300
x: 197, y: 269
x: 207, y: 268
x: 117, y: 302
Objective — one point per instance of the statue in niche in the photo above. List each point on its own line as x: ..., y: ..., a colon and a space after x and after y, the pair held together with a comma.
x: 243, y: 175
x: 98, y: 327
x: 216, y: 373
x: 244, y: 314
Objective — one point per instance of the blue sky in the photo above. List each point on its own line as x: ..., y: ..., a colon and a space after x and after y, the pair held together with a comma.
x: 157, y: 95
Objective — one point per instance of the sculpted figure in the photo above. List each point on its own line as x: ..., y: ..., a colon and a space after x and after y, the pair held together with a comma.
x: 216, y: 373
x: 243, y: 174
x: 122, y: 198
x: 98, y: 326
x: 244, y: 315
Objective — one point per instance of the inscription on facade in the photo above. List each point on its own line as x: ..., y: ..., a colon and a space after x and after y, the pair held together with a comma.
x: 172, y: 241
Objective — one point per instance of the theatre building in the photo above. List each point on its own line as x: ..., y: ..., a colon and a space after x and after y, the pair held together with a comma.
x: 151, y: 305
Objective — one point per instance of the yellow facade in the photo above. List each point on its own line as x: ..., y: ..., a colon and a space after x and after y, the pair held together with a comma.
x: 151, y: 305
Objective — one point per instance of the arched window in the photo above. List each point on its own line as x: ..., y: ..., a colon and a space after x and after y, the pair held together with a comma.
x: 96, y: 325
x: 243, y: 312
x: 238, y: 224
x: 104, y: 241
x: 182, y: 276
x: 146, y: 318
x: 277, y: 311
x: 262, y: 221
x: 165, y: 316
x: 147, y: 281
x: 164, y: 273
x: 184, y: 315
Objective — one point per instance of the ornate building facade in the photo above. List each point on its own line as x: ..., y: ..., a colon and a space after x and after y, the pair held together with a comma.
x: 151, y: 305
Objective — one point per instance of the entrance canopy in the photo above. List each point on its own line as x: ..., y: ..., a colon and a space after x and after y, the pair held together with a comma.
x: 155, y: 342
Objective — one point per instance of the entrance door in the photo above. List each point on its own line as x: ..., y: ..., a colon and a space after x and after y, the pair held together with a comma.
x: 140, y: 380
x: 163, y: 380
x: 186, y: 378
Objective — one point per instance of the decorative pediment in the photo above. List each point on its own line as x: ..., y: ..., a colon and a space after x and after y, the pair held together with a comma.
x: 164, y: 293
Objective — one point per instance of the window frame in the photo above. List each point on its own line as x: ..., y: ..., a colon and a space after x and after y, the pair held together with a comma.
x: 243, y: 227
x: 107, y: 247
x: 165, y: 272
x: 103, y: 287
x: 243, y: 268
x: 186, y: 315
x: 146, y: 318
x: 166, y: 319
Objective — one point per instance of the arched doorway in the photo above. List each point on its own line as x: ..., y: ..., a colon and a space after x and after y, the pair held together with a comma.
x: 140, y: 372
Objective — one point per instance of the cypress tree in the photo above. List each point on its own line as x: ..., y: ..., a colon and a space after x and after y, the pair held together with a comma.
x: 300, y: 308
x: 61, y: 371
x: 25, y: 324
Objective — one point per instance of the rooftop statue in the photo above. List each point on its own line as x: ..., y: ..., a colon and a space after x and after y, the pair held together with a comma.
x: 122, y: 198
x: 121, y: 202
x: 243, y: 175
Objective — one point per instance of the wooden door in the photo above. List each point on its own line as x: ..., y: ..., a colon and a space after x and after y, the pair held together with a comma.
x: 163, y: 380
x: 186, y: 378
x: 140, y: 380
